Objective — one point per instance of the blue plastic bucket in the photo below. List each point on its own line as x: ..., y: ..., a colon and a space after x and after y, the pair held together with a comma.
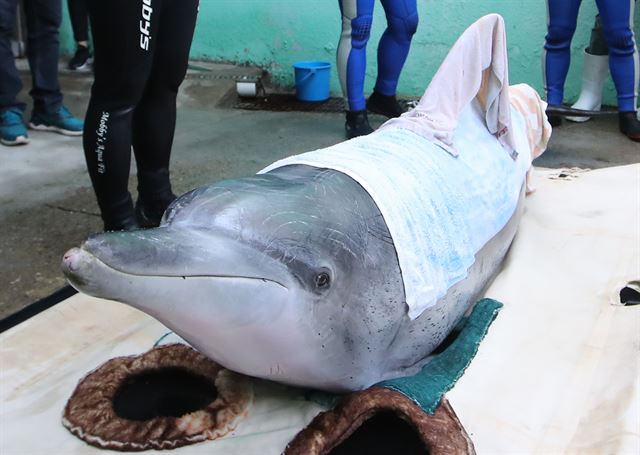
x: 312, y: 80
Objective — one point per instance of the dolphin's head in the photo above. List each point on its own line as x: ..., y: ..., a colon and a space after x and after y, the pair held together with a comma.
x: 290, y: 276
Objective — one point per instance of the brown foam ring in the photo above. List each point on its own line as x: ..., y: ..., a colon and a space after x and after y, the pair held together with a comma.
x: 90, y: 416
x: 441, y: 433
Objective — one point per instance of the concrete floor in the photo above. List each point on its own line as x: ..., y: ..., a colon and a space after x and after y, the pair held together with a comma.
x: 47, y: 205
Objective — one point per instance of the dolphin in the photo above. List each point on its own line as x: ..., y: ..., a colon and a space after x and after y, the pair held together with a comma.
x: 290, y: 276
x: 293, y: 275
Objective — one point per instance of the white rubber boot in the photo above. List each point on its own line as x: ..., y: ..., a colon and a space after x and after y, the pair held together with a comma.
x: 594, y: 74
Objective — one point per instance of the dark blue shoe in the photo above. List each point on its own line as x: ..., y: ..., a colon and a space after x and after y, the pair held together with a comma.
x: 62, y: 122
x: 12, y: 128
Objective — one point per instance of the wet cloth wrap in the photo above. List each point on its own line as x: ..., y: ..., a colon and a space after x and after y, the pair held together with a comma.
x: 439, y: 223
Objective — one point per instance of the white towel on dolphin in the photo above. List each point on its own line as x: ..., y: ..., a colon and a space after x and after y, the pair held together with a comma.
x: 438, y: 229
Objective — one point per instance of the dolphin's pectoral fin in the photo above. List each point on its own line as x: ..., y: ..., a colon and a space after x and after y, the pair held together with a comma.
x: 379, y: 420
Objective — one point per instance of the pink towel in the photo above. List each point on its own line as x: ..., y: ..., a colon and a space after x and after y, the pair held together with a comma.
x: 528, y: 103
x: 476, y: 67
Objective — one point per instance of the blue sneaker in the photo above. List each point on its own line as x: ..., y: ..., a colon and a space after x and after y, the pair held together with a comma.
x: 62, y: 122
x: 12, y: 128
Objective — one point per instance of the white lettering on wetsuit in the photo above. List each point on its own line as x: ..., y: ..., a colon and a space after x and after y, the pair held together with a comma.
x: 145, y: 24
x: 101, y: 133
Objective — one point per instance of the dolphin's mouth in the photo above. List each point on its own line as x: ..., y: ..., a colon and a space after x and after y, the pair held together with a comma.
x: 233, y: 300
x: 231, y: 318
x: 175, y: 253
x: 77, y: 263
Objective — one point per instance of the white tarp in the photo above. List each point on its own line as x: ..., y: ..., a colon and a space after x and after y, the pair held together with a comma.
x: 559, y: 370
x: 43, y: 359
x: 557, y: 373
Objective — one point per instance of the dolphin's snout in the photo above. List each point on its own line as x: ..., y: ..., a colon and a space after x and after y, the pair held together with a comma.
x: 77, y: 266
x: 74, y: 260
x: 71, y: 260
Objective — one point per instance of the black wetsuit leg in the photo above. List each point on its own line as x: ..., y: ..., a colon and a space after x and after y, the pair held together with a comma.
x: 154, y: 117
x: 127, y: 39
x: 79, y: 19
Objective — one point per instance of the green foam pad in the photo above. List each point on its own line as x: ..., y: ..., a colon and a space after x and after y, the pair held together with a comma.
x: 440, y: 374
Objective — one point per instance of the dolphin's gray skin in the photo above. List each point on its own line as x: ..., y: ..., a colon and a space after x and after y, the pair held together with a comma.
x: 290, y: 276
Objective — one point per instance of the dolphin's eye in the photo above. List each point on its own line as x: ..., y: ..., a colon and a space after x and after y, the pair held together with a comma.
x: 322, y: 280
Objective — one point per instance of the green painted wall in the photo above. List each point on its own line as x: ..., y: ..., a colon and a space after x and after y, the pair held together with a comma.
x: 274, y: 34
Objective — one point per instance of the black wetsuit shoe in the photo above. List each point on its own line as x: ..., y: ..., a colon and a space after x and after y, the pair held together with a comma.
x: 554, y: 119
x: 119, y: 216
x: 81, y: 61
x: 149, y: 212
x: 357, y: 124
x: 385, y: 105
x: 154, y: 196
x: 629, y: 125
x: 125, y: 224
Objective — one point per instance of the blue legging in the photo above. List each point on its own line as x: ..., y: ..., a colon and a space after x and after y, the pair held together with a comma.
x: 616, y: 17
x: 357, y: 16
